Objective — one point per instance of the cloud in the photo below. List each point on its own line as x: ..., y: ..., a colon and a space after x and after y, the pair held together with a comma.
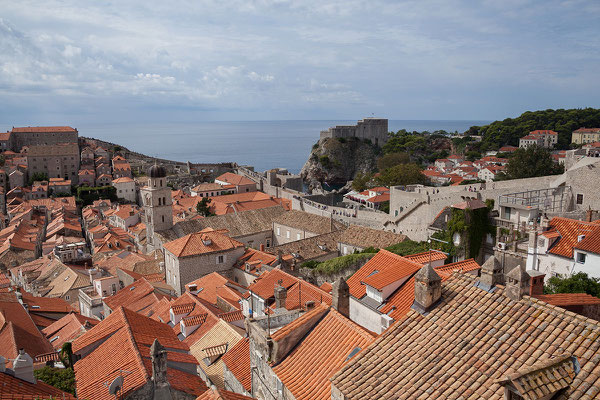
x: 319, y: 59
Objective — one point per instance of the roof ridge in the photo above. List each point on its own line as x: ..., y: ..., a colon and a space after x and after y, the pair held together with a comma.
x: 138, y: 356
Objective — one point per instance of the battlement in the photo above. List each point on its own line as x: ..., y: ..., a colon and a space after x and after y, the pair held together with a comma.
x: 374, y: 129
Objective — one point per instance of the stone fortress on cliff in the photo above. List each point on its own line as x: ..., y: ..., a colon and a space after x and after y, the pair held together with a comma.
x: 374, y: 129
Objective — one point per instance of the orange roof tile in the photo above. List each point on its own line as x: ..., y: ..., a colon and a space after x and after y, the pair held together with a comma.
x: 381, y: 270
x: 591, y: 242
x: 17, y: 389
x: 307, y: 369
x: 264, y: 286
x: 215, y: 393
x: 469, y: 265
x: 139, y: 297
x: 568, y: 299
x: 201, y: 243
x: 570, y: 230
x: 68, y: 328
x: 44, y: 129
x: 234, y: 179
x: 427, y: 256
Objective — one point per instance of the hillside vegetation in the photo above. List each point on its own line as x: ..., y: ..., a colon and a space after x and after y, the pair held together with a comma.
x: 510, y: 130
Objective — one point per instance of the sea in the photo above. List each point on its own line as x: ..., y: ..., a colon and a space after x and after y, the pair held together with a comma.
x: 262, y: 144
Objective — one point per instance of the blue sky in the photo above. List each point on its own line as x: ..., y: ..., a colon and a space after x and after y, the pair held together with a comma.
x: 117, y: 61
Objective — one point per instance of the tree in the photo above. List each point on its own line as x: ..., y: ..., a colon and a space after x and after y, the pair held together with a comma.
x: 38, y: 176
x: 203, y: 207
x: 403, y: 174
x: 390, y: 160
x: 60, y: 378
x: 531, y: 162
x: 361, y: 181
x: 576, y: 283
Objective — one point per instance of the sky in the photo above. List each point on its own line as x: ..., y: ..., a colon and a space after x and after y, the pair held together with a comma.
x: 69, y: 62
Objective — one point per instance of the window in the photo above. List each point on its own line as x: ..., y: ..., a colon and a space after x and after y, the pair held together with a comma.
x: 278, y: 231
x: 298, y: 236
x: 581, y: 258
x: 67, y: 297
x: 287, y: 234
x: 268, y: 242
x: 579, y: 198
x: 220, y: 259
x: 395, y: 213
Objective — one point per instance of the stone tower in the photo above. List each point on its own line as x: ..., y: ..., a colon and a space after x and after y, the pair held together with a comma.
x: 162, y: 388
x: 491, y: 274
x: 341, y: 297
x: 517, y: 283
x: 157, y: 202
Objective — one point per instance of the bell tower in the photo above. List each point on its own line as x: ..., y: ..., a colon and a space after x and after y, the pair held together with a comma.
x: 157, y: 202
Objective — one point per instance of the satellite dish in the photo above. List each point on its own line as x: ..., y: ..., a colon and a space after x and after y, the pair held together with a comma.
x: 456, y: 239
x: 116, y: 385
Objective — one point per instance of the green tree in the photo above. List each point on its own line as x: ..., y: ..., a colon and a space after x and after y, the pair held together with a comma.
x: 60, y: 378
x: 203, y: 207
x: 576, y: 283
x: 37, y: 176
x: 531, y: 162
x: 403, y: 174
x: 408, y: 247
x: 361, y: 181
x: 390, y: 160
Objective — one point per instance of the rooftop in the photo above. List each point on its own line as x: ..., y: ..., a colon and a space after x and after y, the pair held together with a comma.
x: 364, y: 237
x: 199, y: 243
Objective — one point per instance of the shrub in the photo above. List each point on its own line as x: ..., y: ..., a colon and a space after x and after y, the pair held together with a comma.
x: 338, y: 264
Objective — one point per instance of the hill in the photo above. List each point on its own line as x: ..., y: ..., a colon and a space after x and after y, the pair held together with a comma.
x: 508, y: 131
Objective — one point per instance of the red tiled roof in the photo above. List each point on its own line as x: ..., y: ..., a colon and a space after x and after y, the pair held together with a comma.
x: 328, y: 346
x: 264, y: 286
x: 591, y: 242
x: 569, y: 299
x: 570, y: 230
x: 17, y: 389
x: 381, y: 270
x: 132, y: 334
x: 232, y: 316
x: 213, y: 286
x: 469, y: 265
x: 234, y: 179
x: 68, y: 328
x: 139, y: 297
x: 543, y: 132
x: 587, y: 130
x: 427, y: 256
x: 399, y: 303
x: 215, y: 393
x: 44, y: 129
x: 201, y: 243
x: 194, y: 320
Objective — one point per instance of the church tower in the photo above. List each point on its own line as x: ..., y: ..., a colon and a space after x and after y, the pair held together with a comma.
x: 157, y: 202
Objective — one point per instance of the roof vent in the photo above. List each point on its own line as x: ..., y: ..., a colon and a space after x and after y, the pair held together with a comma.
x: 206, y: 240
x: 580, y: 238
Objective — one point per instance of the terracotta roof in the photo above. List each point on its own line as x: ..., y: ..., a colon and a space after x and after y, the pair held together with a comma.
x: 570, y: 230
x: 591, y: 242
x: 232, y: 316
x: 587, y: 130
x: 138, y: 297
x: 46, y: 304
x: 307, y: 369
x: 234, y: 179
x: 311, y: 247
x: 466, y: 342
x: 364, y: 237
x: 18, y: 331
x: 469, y: 265
x: 543, y: 132
x: 17, y: 389
x: 237, y: 360
x: 44, y: 129
x: 190, y: 305
x: 123, y: 179
x: 208, y: 186
x: 68, y: 328
x: 69, y: 279
x: 381, y: 270
x: 220, y: 394
x: 568, y: 299
x: 308, y: 222
x: 201, y: 243
x: 301, y: 292
x: 252, y: 255
x: 425, y: 257
x: 132, y: 334
x: 327, y: 287
x: 264, y: 286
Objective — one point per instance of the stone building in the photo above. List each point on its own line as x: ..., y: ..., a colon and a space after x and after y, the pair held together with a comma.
x: 42, y: 136
x: 296, y: 225
x: 541, y: 138
x: 56, y: 161
x: 373, y: 129
x: 585, y: 135
x: 198, y: 254
x: 125, y: 189
x: 158, y: 202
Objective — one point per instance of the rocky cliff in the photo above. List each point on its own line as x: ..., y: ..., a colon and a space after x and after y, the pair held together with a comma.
x: 335, y: 161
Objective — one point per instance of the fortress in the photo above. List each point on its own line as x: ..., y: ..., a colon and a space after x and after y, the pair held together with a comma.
x: 374, y: 129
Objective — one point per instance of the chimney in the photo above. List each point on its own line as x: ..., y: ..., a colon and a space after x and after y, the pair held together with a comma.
x: 589, y: 215
x: 491, y: 274
x: 159, y: 369
x: 280, y: 296
x: 517, y: 283
x: 428, y: 289
x: 536, y: 283
x: 23, y: 367
x: 262, y: 247
x: 309, y: 305
x: 341, y: 297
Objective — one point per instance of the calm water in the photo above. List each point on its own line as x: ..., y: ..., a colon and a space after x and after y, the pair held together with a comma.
x: 264, y: 144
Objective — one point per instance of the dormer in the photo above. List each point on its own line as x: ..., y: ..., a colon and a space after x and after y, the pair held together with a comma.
x: 544, y: 380
x: 188, y: 325
x: 177, y: 312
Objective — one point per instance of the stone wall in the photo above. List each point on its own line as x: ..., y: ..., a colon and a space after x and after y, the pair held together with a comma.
x: 373, y: 129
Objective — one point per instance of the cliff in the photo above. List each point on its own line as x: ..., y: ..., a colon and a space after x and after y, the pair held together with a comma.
x: 335, y: 161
